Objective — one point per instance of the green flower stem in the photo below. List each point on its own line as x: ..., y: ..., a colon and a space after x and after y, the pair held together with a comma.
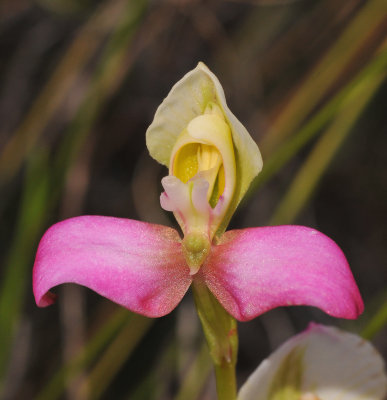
x: 220, y: 330
x: 226, y: 381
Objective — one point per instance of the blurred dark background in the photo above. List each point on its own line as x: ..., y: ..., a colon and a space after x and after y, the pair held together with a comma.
x: 80, y: 81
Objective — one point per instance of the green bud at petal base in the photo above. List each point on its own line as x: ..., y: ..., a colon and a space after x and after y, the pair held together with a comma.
x: 196, y: 247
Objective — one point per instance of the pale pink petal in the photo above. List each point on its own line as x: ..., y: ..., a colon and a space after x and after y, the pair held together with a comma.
x: 254, y: 270
x: 137, y: 265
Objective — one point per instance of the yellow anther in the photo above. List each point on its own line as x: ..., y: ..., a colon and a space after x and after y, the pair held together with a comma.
x: 195, y: 157
x: 208, y: 157
x: 210, y: 161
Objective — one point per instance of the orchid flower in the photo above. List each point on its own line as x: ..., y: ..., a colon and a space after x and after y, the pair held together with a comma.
x: 321, y: 363
x: 148, y: 268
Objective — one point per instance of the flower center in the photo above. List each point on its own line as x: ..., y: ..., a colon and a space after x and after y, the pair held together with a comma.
x: 201, y: 182
x: 204, y: 161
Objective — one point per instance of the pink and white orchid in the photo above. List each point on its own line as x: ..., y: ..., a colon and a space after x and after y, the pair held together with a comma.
x: 148, y: 268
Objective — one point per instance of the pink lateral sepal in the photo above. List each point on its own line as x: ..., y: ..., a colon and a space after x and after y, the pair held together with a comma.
x: 138, y: 265
x: 254, y: 270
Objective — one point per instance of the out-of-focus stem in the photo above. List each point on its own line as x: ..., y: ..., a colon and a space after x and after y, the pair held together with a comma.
x: 376, y: 323
x: 221, y: 334
x: 226, y: 381
x: 56, y: 89
x: 325, y: 74
x: 350, y: 109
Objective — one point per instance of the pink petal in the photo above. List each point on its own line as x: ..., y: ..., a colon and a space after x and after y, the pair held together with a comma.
x: 137, y: 265
x: 254, y: 270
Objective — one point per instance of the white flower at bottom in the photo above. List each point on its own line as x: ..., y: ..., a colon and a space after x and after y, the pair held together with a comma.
x: 321, y: 363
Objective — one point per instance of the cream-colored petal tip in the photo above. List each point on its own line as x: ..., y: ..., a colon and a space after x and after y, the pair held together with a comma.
x: 343, y: 365
x: 335, y: 365
x: 188, y: 99
x: 249, y: 158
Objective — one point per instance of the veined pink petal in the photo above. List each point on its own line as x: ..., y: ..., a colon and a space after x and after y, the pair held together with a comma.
x: 135, y: 264
x: 254, y: 270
